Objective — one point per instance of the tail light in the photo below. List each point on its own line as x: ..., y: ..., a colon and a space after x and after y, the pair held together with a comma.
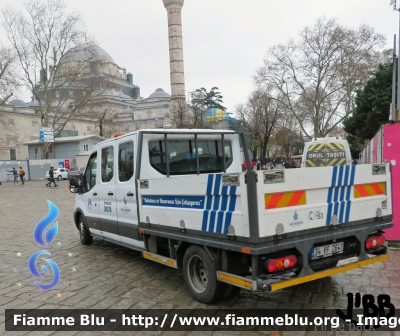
x: 374, y: 242
x: 280, y: 264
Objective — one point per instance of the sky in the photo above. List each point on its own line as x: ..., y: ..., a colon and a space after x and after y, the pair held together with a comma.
x: 224, y: 41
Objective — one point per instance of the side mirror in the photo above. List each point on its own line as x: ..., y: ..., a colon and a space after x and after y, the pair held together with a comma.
x: 73, y: 185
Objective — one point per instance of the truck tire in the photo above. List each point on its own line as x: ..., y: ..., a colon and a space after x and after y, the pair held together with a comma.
x: 229, y: 291
x: 84, y: 234
x: 200, y: 275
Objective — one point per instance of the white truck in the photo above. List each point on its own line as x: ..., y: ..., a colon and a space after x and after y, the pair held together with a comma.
x: 181, y: 199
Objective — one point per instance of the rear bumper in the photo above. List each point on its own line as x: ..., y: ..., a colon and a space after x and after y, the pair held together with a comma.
x: 326, y: 273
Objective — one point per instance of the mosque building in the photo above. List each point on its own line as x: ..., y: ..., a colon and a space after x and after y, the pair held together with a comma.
x: 120, y: 102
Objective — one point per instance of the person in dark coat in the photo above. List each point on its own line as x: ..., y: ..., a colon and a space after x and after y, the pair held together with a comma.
x: 287, y: 164
x: 51, y: 174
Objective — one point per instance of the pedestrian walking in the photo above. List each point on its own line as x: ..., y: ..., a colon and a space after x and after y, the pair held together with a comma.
x: 22, y: 174
x: 15, y: 174
x: 51, y: 174
x: 258, y: 164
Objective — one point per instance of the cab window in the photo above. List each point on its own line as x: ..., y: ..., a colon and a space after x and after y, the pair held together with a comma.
x: 125, y: 161
x: 107, y: 164
x: 90, y: 173
x: 183, y: 156
x: 326, y: 154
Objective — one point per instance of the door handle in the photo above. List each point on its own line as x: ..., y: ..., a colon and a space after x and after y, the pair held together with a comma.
x: 129, y: 194
x: 110, y: 193
x: 95, y: 194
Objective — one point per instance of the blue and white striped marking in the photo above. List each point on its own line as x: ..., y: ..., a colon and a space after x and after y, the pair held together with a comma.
x: 220, y: 204
x: 339, y: 202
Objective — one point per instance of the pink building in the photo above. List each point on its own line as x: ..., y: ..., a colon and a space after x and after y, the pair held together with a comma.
x: 385, y: 147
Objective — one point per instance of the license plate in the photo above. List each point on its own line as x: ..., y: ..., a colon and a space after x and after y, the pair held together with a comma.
x: 326, y: 250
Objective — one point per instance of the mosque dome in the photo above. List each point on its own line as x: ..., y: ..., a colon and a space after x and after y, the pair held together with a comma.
x: 33, y: 103
x: 87, y: 52
x: 160, y: 93
x: 125, y: 96
x: 17, y: 103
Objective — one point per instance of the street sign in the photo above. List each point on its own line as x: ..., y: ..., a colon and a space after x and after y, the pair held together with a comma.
x: 61, y: 164
x: 46, y: 134
x: 45, y: 129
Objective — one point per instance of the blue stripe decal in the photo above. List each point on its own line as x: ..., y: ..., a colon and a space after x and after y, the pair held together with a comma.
x: 334, y: 175
x: 330, y: 193
x: 340, y: 182
x: 348, y: 204
x: 232, y: 205
x: 335, y: 201
x: 221, y: 213
x: 342, y: 204
x: 217, y: 197
x: 213, y: 213
x: 328, y: 216
x: 208, y: 202
x: 353, y: 172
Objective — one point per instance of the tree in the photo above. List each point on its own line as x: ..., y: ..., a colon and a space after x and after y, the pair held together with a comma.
x: 179, y: 113
x: 317, y: 77
x: 211, y: 99
x: 43, y: 37
x: 259, y: 115
x: 8, y: 74
x: 371, y: 111
x: 8, y: 85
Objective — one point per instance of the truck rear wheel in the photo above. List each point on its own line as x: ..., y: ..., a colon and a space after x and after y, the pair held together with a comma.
x: 200, y: 275
x: 86, y: 238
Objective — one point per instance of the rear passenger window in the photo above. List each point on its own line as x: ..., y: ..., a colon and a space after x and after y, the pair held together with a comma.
x: 107, y: 164
x: 183, y: 154
x: 125, y: 161
x: 326, y: 154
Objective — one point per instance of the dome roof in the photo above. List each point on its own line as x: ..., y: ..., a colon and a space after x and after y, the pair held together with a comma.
x: 87, y: 52
x: 33, y: 103
x: 124, y: 96
x: 160, y: 93
x: 17, y: 103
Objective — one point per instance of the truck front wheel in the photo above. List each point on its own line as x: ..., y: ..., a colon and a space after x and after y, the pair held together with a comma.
x: 200, y: 275
x: 86, y: 238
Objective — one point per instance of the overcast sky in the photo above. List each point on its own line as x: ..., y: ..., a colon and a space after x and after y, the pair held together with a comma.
x: 224, y: 40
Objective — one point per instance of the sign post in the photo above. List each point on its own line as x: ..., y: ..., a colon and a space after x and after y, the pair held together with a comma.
x: 46, y: 134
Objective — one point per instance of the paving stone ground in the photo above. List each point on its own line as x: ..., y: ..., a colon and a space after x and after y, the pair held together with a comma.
x: 104, y: 275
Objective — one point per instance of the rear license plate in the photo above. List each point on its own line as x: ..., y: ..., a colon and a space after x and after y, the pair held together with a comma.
x: 326, y: 250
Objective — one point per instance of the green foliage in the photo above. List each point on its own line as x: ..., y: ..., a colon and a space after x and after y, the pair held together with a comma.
x: 211, y: 99
x: 372, y: 109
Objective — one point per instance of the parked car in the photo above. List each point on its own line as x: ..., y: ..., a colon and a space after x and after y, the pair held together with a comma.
x: 76, y: 172
x: 59, y: 174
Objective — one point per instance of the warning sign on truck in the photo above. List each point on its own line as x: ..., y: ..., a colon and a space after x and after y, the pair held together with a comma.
x: 326, y: 154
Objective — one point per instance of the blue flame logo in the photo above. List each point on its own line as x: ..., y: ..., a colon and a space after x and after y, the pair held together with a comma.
x: 34, y: 271
x: 44, y: 223
x: 50, y: 234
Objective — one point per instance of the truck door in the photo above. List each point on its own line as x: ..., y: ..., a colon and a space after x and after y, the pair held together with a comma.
x: 106, y: 191
x: 126, y: 191
x: 89, y: 197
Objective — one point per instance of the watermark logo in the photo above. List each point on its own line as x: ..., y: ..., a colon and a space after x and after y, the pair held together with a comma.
x: 45, y: 238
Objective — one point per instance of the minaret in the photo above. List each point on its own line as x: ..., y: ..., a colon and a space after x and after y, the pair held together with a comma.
x: 174, y: 9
